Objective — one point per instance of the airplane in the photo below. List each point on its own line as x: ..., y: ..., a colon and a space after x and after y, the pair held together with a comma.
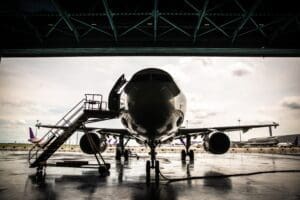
x: 264, y: 141
x: 33, y: 139
x: 152, y: 111
x: 285, y: 144
x: 288, y: 144
x: 267, y: 142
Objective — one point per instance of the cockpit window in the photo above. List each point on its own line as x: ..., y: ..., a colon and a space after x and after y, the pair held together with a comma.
x: 141, y: 77
x: 161, y: 77
x: 153, y: 77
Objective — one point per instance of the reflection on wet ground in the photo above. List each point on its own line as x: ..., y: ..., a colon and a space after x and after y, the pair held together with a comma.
x: 127, y: 179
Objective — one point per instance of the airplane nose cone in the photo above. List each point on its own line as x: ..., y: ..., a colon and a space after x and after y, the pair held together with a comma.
x: 151, y: 115
x: 150, y: 108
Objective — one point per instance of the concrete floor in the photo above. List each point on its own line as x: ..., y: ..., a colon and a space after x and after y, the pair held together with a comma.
x: 127, y: 180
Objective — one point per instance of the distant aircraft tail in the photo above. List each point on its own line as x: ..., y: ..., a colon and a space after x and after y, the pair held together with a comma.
x: 31, y: 135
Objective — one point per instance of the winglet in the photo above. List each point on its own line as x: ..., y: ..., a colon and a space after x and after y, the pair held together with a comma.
x: 275, y: 124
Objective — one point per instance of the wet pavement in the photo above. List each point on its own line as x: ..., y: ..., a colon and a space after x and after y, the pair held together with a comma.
x: 127, y: 180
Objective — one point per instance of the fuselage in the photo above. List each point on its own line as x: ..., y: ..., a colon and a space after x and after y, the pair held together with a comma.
x: 154, y: 106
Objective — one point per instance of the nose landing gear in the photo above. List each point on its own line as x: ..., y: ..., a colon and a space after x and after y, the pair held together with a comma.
x: 152, y: 164
x: 187, y: 152
x: 121, y: 151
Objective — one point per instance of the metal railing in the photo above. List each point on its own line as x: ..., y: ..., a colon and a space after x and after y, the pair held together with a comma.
x: 90, y: 102
x: 54, y: 133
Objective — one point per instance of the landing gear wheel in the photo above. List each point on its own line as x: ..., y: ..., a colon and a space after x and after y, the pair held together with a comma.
x: 148, y: 172
x: 126, y: 155
x: 191, y: 154
x: 157, y: 172
x: 183, y: 155
x: 118, y: 154
x: 107, y: 165
x: 103, y: 170
x: 40, y: 174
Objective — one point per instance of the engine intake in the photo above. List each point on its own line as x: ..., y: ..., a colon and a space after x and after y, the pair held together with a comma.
x: 216, y: 143
x: 91, y: 143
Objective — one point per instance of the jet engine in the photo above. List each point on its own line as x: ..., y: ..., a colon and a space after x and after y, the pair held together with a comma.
x: 91, y: 143
x: 216, y: 143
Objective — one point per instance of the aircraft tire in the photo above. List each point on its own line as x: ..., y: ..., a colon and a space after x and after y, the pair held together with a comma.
x: 118, y: 154
x: 183, y: 154
x: 148, y: 172
x: 192, y: 155
x: 126, y: 155
x: 157, y: 172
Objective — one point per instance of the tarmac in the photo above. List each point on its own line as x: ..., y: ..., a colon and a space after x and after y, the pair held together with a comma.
x: 228, y: 176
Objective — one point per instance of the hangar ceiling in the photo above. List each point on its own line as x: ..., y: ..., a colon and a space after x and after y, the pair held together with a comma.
x: 152, y: 27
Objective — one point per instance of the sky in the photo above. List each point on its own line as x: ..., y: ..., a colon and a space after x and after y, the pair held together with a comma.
x: 219, y: 90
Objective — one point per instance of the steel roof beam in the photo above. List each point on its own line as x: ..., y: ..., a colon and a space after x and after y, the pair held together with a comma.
x: 245, y: 19
x: 110, y: 19
x: 200, y: 19
x: 221, y: 26
x: 251, y: 19
x: 91, y: 26
x: 281, y: 29
x: 175, y: 26
x: 35, y: 30
x: 66, y: 19
x: 167, y: 31
x: 135, y: 26
x: 217, y: 27
x: 145, y: 32
x: 262, y: 27
x: 53, y: 27
x: 192, y: 6
x: 171, y: 13
x: 148, y: 51
x: 86, y: 32
x: 155, y: 19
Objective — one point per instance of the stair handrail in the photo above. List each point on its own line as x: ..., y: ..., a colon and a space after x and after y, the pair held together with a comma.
x: 30, y: 155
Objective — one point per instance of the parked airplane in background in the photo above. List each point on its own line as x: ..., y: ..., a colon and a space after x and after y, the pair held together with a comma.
x: 152, y: 113
x: 274, y: 141
x: 289, y: 144
x: 285, y: 144
x: 263, y: 141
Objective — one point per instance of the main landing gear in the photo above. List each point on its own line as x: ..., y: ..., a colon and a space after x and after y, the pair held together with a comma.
x: 152, y: 164
x: 187, y: 152
x: 121, y: 151
x: 190, y: 153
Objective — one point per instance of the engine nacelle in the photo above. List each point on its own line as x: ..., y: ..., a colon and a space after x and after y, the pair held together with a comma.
x: 216, y: 143
x: 91, y: 143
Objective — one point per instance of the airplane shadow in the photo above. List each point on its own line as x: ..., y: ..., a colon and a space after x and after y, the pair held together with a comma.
x: 90, y: 185
x: 223, y: 184
x: 214, y: 179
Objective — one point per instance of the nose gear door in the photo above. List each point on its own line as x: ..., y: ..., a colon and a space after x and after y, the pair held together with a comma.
x: 114, y: 95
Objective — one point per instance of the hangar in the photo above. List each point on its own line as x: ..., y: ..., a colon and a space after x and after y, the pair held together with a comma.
x: 134, y: 28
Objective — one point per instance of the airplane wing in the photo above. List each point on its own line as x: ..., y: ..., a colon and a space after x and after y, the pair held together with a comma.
x: 183, y: 132
x: 106, y: 131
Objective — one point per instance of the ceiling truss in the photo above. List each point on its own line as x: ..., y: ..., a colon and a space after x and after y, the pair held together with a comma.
x: 183, y: 25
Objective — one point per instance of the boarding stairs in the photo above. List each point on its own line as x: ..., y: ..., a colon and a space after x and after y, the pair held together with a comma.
x: 89, y: 109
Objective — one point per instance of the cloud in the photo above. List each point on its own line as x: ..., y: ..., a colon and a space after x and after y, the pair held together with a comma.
x: 292, y: 102
x: 15, y: 103
x: 30, y: 107
x: 198, y: 116
x: 5, y: 123
x: 203, y: 115
x: 241, y: 69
